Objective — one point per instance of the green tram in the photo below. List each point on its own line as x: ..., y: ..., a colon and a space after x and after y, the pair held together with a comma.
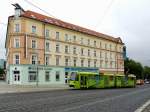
x: 83, y: 80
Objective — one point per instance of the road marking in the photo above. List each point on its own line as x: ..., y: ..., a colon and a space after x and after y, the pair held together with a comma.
x: 140, y: 109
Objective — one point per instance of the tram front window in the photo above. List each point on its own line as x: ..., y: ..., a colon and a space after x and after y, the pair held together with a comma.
x: 73, y: 76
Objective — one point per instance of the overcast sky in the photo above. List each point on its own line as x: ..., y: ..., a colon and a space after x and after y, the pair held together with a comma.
x: 128, y: 19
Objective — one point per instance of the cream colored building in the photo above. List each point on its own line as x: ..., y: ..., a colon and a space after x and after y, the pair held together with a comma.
x: 42, y: 50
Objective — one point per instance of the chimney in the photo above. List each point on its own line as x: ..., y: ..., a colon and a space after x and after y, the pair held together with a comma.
x: 18, y: 10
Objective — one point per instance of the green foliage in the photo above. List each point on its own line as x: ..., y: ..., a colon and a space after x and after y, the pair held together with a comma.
x: 1, y: 72
x: 133, y: 67
x: 146, y: 72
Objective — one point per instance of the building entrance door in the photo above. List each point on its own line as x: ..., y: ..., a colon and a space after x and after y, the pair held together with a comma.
x: 16, y: 77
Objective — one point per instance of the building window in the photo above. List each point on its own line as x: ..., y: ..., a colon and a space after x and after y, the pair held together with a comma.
x: 16, y: 59
x: 88, y: 52
x: 46, y: 60
x: 89, y: 61
x: 57, y: 35
x: 16, y: 43
x: 74, y: 62
x: 66, y: 49
x: 57, y: 60
x: 47, y: 33
x: 74, y: 38
x: 57, y: 47
x: 82, y: 51
x: 81, y: 40
x: 95, y: 63
x: 94, y: 43
x: 110, y: 46
x: 17, y: 27
x: 74, y: 50
x: 33, y: 29
x: 100, y: 54
x: 32, y: 76
x: 47, y: 47
x: 100, y: 44
x: 47, y: 76
x: 88, y: 41
x: 57, y: 76
x: 94, y: 53
x: 82, y: 63
x: 66, y: 37
x: 106, y: 64
x: 66, y: 61
x: 34, y: 59
x: 111, y: 64
x: 33, y: 44
x: 101, y: 63
x: 106, y: 55
x: 105, y: 46
x: 110, y: 55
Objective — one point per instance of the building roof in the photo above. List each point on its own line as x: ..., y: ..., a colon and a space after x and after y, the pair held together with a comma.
x: 60, y: 23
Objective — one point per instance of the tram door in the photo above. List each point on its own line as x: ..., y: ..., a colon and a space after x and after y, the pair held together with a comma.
x: 83, y: 81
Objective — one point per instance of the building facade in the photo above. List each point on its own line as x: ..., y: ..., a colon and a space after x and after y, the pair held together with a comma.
x: 43, y: 50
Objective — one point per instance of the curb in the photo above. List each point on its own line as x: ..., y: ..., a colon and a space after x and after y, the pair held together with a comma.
x: 140, y: 109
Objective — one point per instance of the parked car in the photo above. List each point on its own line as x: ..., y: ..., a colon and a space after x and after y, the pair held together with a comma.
x: 147, y: 82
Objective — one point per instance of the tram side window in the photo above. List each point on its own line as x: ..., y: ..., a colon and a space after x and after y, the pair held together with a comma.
x: 77, y: 78
x: 97, y: 77
x: 111, y: 78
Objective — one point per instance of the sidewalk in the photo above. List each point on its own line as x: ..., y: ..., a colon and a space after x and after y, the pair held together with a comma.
x: 5, y: 88
x: 147, y: 109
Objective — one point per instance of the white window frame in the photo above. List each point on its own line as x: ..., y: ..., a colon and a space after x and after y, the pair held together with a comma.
x: 74, y: 50
x: 47, y: 49
x: 66, y: 61
x: 15, y: 42
x: 57, y: 47
x: 14, y: 58
x: 82, y: 64
x: 89, y: 62
x: 17, y: 27
x: 47, y: 31
x: 35, y: 44
x: 95, y: 63
x: 74, y: 62
x: 35, y: 30
x: 47, y: 61
x: 66, y: 37
x: 57, y: 60
x: 67, y: 49
x: 57, y: 35
x: 35, y: 60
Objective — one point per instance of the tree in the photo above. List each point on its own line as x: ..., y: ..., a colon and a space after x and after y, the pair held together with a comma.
x: 146, y: 72
x: 1, y: 72
x: 133, y: 67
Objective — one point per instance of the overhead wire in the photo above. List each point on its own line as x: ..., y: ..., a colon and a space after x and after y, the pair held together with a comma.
x: 104, y: 14
x: 31, y: 3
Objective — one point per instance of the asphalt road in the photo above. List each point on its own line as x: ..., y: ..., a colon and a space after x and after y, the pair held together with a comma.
x: 99, y: 100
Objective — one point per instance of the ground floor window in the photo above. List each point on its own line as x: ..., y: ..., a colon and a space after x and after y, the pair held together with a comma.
x: 57, y: 76
x: 47, y: 76
x: 32, y: 76
x: 66, y: 77
x: 16, y: 75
